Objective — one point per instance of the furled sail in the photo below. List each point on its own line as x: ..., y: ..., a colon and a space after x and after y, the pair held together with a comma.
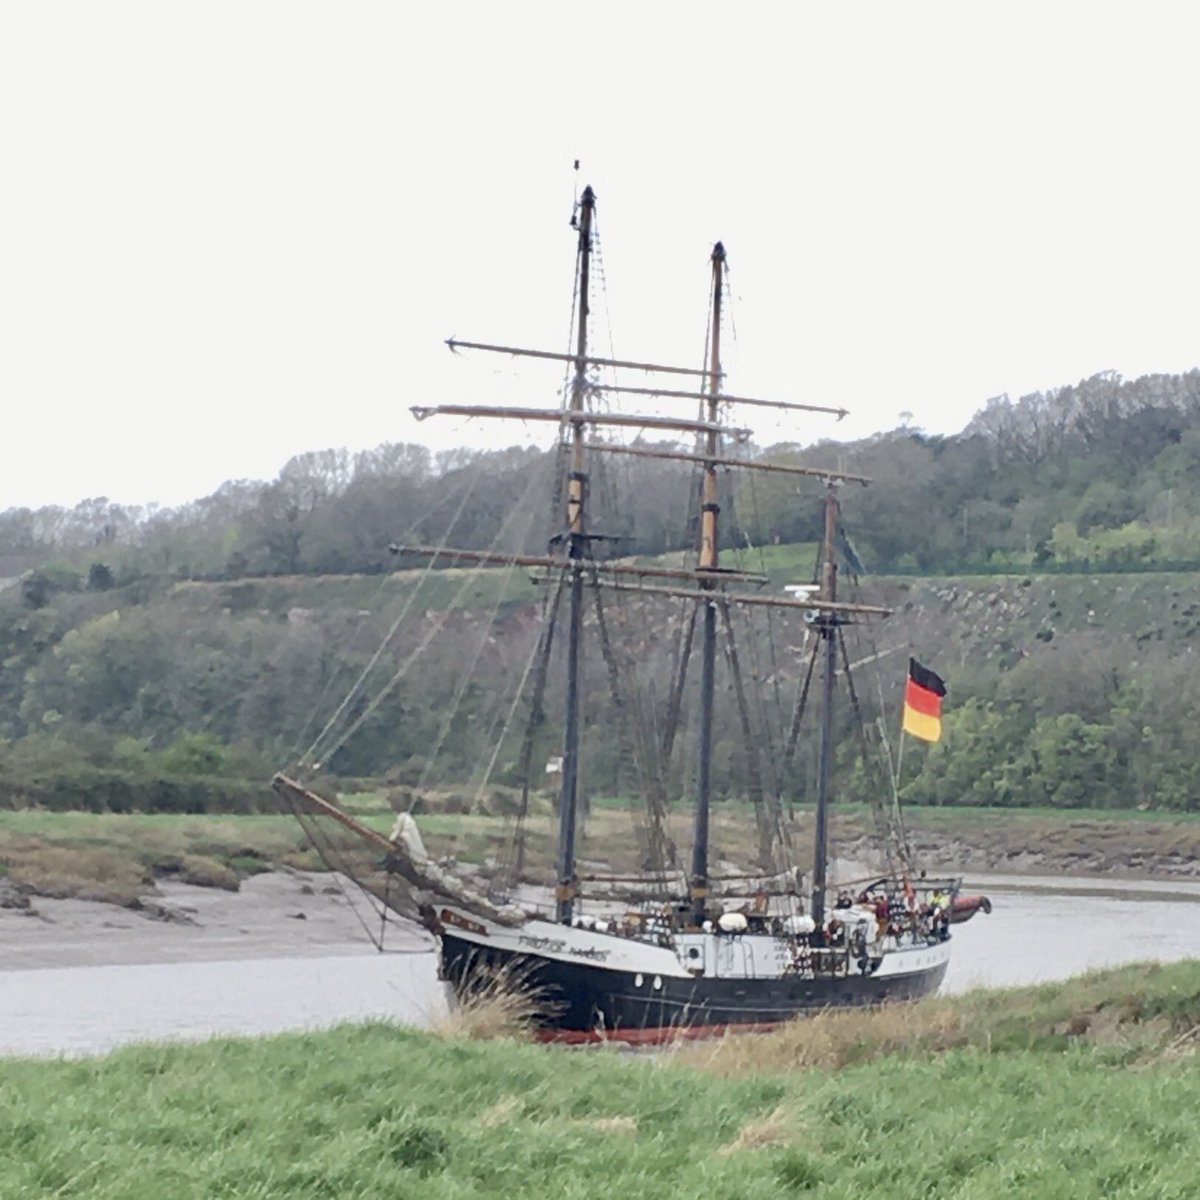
x: 404, y: 855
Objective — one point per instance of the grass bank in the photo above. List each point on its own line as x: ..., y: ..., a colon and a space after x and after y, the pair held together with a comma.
x: 117, y: 856
x: 1033, y: 840
x: 1039, y: 1108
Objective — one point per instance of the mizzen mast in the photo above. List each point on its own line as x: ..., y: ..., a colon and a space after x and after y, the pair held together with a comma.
x: 827, y: 623
x: 708, y: 561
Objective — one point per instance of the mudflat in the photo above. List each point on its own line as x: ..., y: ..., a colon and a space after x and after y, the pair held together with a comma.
x: 282, y: 913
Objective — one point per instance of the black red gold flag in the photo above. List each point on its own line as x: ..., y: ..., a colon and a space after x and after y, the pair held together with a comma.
x: 923, y: 702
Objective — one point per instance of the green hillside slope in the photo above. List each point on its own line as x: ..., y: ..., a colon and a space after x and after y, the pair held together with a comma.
x: 1069, y: 690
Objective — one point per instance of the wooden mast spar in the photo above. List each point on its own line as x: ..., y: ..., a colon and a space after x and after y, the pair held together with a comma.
x: 576, y: 544
x: 722, y: 398
x: 745, y: 464
x: 641, y: 570
x: 827, y: 624
x: 577, y: 417
x: 708, y: 560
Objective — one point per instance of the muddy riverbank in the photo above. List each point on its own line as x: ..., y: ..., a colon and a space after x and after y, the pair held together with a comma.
x: 284, y: 914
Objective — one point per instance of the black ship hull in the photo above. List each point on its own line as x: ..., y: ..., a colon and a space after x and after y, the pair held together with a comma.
x: 580, y: 1002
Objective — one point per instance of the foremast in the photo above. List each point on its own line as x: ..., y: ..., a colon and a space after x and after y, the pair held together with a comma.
x: 708, y: 561
x: 576, y: 546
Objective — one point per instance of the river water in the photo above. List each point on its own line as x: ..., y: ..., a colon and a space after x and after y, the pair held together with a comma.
x: 1040, y: 929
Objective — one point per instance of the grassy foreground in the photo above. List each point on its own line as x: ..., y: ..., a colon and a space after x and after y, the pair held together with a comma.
x: 1080, y: 1090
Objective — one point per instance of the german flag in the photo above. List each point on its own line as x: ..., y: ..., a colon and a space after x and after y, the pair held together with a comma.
x: 923, y: 703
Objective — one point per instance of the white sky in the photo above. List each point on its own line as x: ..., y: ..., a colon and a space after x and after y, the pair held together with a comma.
x: 232, y: 232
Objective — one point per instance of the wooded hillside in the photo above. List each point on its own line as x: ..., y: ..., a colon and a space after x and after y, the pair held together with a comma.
x: 1103, y: 472
x: 141, y: 650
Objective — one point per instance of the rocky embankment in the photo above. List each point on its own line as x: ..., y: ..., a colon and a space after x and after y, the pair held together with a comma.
x: 1039, y: 846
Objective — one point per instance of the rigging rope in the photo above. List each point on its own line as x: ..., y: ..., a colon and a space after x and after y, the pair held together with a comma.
x: 308, y: 756
x: 401, y: 671
x: 886, y: 834
x: 360, y: 624
x: 507, y: 528
x: 468, y: 671
x: 885, y: 754
x: 789, y: 751
x: 657, y: 847
x: 335, y: 860
x: 509, y: 864
x: 750, y: 757
x: 774, y: 655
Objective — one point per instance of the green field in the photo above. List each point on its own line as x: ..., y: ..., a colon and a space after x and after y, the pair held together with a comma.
x: 117, y: 856
x: 1071, y: 1092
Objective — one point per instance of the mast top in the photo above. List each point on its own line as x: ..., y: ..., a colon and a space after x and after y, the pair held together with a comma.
x: 587, y: 200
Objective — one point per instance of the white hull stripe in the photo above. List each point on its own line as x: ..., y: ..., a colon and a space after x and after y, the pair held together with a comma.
x: 767, y: 957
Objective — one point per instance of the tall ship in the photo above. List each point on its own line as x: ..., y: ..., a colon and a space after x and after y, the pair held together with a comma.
x: 688, y: 943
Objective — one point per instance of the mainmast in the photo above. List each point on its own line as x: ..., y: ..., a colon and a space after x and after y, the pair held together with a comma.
x: 827, y: 623
x: 576, y: 540
x: 709, y: 550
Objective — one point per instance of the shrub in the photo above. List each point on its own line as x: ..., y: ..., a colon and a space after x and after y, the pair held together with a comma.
x: 202, y: 871
x: 81, y: 787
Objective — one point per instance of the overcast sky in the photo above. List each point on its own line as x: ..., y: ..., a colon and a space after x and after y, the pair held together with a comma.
x: 232, y: 232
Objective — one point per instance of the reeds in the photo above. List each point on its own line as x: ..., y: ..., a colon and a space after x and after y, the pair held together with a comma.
x: 74, y: 872
x: 115, y: 857
x: 493, y: 1003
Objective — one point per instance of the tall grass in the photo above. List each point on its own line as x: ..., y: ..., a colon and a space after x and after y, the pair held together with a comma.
x: 1133, y: 1014
x: 497, y: 1003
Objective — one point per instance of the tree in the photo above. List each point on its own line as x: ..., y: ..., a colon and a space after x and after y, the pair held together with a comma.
x: 100, y: 577
x: 194, y: 754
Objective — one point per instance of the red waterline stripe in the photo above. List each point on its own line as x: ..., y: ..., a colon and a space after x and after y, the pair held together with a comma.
x: 652, y: 1036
